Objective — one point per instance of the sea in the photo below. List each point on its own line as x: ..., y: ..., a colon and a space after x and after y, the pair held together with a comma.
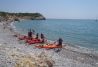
x: 80, y: 32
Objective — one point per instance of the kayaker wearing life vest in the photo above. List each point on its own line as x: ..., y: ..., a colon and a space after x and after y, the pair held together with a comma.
x: 60, y: 40
x: 30, y: 34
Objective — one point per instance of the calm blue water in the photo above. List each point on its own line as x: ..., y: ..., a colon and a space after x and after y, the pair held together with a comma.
x: 75, y: 32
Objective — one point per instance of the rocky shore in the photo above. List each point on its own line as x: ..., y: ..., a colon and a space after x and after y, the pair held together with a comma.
x: 15, y: 53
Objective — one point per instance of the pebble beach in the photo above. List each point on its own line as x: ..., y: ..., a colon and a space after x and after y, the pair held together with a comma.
x: 15, y: 53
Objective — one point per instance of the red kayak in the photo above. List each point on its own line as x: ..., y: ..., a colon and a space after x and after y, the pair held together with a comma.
x: 33, y: 41
x: 51, y: 46
x: 23, y: 37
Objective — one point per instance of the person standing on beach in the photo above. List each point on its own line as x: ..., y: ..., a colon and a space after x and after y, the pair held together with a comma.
x: 30, y: 34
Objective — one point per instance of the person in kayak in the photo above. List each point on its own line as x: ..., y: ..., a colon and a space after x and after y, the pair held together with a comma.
x: 60, y: 40
x: 30, y: 34
x: 42, y: 37
x: 33, y: 31
x: 37, y: 36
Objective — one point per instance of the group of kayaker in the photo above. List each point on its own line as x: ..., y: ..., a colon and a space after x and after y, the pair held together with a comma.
x: 39, y: 38
x: 31, y: 33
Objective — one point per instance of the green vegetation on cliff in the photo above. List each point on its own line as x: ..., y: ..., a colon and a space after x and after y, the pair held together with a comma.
x: 15, y: 16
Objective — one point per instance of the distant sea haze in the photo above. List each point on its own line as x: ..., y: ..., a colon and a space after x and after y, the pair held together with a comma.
x: 75, y: 32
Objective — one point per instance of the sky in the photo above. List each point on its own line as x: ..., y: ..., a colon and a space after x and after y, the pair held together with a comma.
x: 58, y: 9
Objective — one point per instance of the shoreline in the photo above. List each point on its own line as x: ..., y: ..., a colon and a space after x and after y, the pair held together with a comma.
x: 71, y: 43
x: 67, y: 57
x: 74, y: 46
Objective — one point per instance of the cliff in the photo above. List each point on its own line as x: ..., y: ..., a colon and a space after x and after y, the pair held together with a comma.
x: 18, y: 16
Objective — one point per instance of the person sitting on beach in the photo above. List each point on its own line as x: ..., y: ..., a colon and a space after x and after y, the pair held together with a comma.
x: 30, y: 34
x: 60, y: 40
